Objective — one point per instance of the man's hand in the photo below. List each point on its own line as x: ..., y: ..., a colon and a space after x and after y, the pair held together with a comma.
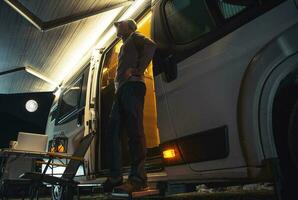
x: 131, y: 72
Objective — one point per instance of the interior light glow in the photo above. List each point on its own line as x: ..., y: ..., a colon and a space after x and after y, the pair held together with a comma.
x: 145, y: 19
x: 31, y: 105
x: 104, y: 70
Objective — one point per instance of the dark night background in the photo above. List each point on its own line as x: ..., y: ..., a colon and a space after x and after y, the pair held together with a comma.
x: 14, y: 117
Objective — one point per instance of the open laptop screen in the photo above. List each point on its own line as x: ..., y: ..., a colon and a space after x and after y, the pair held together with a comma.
x: 32, y: 142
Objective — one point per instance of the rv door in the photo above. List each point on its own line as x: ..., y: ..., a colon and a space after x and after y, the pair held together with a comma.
x: 91, y: 112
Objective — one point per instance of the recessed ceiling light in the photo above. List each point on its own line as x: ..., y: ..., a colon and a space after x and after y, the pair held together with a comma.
x: 31, y: 105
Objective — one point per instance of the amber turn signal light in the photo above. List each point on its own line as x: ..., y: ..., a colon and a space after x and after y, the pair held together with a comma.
x: 169, y: 153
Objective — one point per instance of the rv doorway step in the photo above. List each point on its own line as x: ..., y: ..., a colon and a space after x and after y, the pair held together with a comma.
x: 143, y: 193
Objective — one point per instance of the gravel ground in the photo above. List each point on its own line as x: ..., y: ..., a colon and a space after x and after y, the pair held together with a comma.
x: 261, y: 191
x: 260, y: 195
x: 244, y: 195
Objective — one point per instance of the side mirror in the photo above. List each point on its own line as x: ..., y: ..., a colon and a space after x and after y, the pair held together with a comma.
x: 165, y: 65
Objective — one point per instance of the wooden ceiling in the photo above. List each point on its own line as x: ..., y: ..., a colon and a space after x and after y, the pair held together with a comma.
x: 48, y: 52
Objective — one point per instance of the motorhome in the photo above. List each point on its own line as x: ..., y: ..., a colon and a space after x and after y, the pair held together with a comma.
x: 220, y: 102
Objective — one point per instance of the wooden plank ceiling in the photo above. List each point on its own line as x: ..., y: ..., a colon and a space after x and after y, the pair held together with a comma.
x: 49, y: 52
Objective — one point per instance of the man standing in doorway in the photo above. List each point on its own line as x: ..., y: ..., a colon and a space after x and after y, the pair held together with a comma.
x: 127, y: 111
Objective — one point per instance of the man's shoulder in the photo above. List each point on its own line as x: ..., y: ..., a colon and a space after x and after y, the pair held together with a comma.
x: 138, y: 35
x: 139, y: 39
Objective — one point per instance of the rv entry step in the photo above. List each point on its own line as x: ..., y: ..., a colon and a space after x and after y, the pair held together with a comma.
x: 139, y: 194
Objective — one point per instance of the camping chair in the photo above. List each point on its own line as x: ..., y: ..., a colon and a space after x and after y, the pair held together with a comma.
x: 10, y: 183
x: 65, y: 182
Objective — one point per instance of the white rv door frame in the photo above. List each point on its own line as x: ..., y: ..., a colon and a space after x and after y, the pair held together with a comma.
x: 91, y: 117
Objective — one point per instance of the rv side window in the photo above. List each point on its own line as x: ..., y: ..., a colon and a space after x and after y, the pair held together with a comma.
x: 188, y: 20
x: 70, y: 98
x: 53, y: 113
x: 229, y: 10
x: 191, y: 25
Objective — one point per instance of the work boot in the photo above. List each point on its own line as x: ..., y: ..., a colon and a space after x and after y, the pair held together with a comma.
x: 131, y: 186
x: 110, y: 183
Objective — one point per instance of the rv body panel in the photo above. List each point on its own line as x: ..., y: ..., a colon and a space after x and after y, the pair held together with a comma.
x: 205, y: 93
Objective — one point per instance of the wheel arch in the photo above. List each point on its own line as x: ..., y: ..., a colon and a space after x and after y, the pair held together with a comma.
x: 258, y: 88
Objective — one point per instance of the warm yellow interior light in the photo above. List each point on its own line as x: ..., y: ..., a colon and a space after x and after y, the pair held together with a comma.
x: 169, y: 153
x: 104, y: 70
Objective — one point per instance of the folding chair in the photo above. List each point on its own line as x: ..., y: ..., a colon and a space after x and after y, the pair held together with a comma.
x: 6, y: 185
x: 10, y: 183
x: 66, y: 181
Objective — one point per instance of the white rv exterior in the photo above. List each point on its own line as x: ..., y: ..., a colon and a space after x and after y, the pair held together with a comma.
x: 216, y: 109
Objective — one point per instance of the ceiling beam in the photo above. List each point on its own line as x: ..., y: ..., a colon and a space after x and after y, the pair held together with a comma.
x: 26, y: 13
x: 82, y: 15
x: 31, y: 71
x: 17, y: 69
x: 35, y: 73
x: 48, y: 25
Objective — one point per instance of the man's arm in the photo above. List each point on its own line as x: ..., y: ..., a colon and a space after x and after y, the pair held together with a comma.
x: 147, y: 53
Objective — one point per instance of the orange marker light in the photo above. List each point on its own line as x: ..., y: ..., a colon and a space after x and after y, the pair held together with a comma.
x: 169, y: 153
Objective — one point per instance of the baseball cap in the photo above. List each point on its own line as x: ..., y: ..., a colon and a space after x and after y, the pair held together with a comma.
x: 130, y: 22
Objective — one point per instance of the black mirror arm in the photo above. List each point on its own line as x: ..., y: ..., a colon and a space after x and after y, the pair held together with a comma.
x: 170, y: 68
x: 165, y: 64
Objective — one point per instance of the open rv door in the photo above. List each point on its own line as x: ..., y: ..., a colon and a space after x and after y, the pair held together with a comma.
x: 91, y: 116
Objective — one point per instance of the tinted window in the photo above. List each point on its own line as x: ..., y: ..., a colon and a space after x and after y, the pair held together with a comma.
x: 229, y: 10
x: 53, y: 113
x: 188, y: 19
x: 70, y: 98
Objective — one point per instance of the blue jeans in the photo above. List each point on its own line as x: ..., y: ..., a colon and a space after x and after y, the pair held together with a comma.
x: 127, y: 112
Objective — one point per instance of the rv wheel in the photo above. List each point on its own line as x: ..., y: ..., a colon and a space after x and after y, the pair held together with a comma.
x: 162, y: 187
x: 287, y: 148
x: 293, y: 137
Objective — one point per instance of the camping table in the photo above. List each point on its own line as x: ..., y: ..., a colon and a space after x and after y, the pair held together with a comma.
x: 12, y: 153
x: 5, y: 153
